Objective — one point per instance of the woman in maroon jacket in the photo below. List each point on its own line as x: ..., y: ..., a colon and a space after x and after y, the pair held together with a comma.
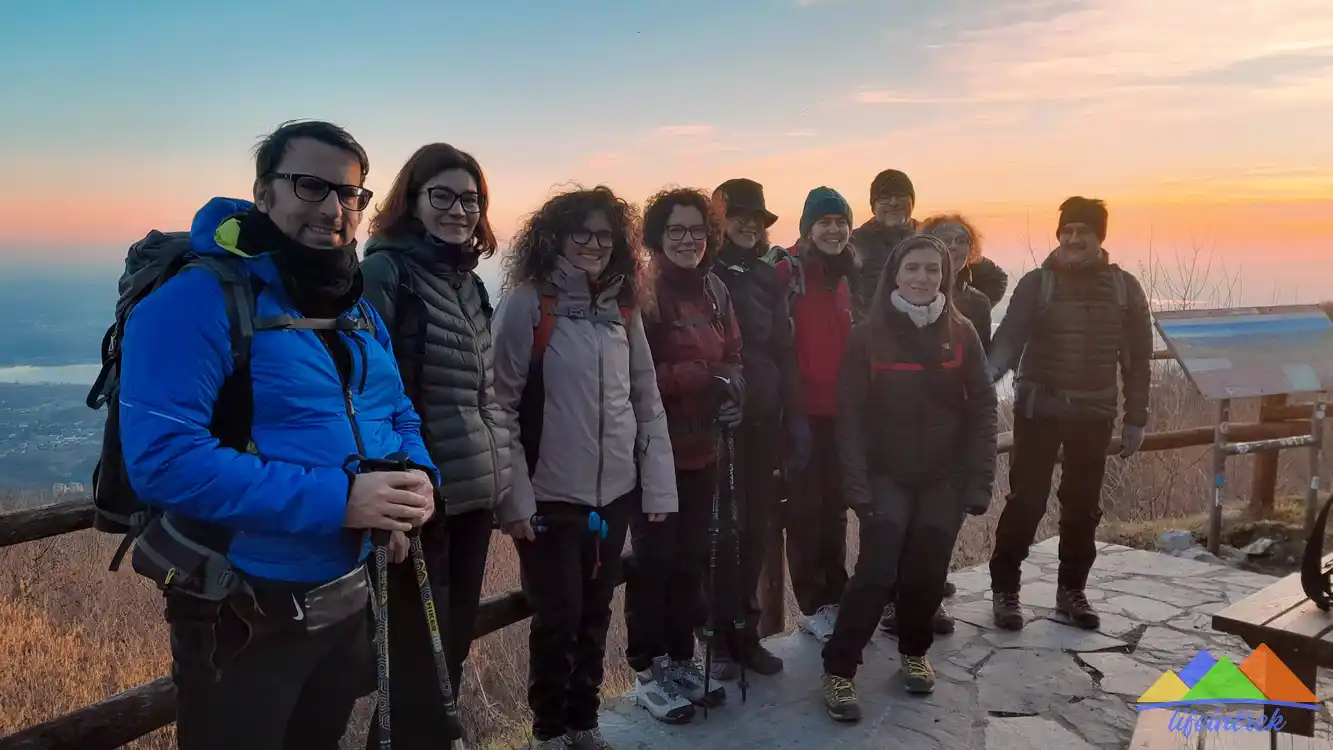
x: 696, y: 347
x: 816, y: 274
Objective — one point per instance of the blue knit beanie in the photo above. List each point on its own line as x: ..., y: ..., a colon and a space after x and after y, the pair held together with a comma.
x: 821, y: 202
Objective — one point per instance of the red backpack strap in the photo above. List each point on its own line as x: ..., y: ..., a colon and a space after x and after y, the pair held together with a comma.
x: 626, y: 315
x: 541, y: 334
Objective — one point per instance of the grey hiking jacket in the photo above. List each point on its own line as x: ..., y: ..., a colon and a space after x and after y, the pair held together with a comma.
x: 603, y: 429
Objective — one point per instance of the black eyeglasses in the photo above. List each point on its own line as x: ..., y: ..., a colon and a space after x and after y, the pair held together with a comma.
x: 443, y: 199
x: 583, y: 237
x: 676, y: 232
x: 314, y: 189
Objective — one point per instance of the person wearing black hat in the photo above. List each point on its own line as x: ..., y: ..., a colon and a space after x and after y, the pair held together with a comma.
x: 773, y: 400
x: 1073, y: 325
x: 892, y: 198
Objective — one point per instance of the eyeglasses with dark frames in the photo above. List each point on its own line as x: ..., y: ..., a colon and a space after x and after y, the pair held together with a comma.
x: 676, y: 232
x: 314, y: 189
x: 605, y: 239
x: 443, y: 199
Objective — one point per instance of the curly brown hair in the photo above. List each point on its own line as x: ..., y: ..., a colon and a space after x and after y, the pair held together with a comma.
x: 395, y: 216
x: 540, y: 241
x: 930, y: 224
x: 658, y: 211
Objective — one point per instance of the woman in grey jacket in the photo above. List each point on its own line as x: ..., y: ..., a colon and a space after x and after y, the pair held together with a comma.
x: 426, y: 239
x: 575, y: 377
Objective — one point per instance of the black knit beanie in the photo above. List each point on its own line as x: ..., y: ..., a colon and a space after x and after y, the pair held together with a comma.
x: 1089, y: 211
x: 890, y: 182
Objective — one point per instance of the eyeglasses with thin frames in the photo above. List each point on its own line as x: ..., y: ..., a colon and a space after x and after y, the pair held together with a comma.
x: 676, y: 232
x: 314, y: 189
x: 605, y: 239
x: 443, y: 199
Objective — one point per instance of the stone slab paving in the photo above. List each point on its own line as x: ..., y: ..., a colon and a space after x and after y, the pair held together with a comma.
x: 1048, y: 686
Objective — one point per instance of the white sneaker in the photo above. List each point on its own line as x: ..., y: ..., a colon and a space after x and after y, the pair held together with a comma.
x: 658, y: 693
x: 689, y: 679
x: 821, y: 623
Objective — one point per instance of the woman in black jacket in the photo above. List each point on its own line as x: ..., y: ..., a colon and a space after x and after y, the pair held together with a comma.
x: 916, y: 437
x: 426, y: 240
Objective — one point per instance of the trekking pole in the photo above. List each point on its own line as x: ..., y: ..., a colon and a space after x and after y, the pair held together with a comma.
x: 381, y: 542
x: 713, y: 532
x: 738, y: 624
x: 454, y: 730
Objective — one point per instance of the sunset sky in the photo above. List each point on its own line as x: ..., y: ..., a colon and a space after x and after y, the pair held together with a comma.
x: 1204, y: 125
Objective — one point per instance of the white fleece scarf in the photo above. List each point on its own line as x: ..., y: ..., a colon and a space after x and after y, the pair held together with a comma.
x: 921, y: 315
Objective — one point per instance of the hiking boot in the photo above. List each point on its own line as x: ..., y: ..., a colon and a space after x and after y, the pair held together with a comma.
x: 821, y: 623
x: 689, y: 680
x: 950, y: 590
x: 918, y: 675
x: 1008, y: 611
x: 840, y: 698
x: 725, y: 667
x: 1073, y: 603
x: 889, y: 622
x: 555, y: 743
x: 657, y: 693
x: 588, y: 739
x: 762, y: 661
x: 944, y: 622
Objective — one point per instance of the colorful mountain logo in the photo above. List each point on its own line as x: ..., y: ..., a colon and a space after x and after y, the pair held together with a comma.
x: 1262, y: 678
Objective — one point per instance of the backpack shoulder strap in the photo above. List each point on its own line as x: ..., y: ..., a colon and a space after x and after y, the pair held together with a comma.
x: 1121, y: 294
x: 484, y: 294
x: 1047, y: 291
x: 795, y: 278
x: 240, y: 291
x: 541, y: 334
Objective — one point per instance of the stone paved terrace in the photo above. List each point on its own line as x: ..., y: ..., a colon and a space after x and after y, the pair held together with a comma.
x: 1048, y: 686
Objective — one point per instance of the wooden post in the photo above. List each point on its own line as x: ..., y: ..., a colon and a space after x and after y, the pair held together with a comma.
x: 1316, y: 449
x: 773, y: 585
x: 1263, y: 485
x: 1219, y: 474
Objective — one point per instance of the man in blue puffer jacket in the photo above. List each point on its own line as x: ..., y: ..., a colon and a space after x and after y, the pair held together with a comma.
x: 282, y: 664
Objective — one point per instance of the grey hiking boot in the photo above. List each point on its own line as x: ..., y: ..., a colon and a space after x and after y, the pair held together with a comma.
x: 588, y: 739
x: 889, y: 622
x: 658, y: 694
x: 944, y: 622
x: 840, y: 698
x: 555, y: 743
x: 1007, y: 609
x: 725, y: 667
x: 1073, y: 604
x: 950, y: 590
x: 688, y: 677
x: 918, y: 675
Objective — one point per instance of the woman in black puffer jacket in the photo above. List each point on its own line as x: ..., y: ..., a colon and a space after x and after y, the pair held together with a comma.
x: 425, y: 243
x: 916, y: 437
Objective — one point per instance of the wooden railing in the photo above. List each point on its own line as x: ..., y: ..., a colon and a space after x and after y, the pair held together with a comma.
x: 134, y: 713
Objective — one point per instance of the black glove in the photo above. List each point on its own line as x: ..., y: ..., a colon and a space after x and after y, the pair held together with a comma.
x: 732, y: 399
x: 729, y: 415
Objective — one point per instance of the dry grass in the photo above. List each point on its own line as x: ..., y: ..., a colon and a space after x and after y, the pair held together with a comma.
x: 72, y: 633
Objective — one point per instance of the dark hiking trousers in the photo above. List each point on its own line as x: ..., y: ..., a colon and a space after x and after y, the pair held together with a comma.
x: 664, y: 579
x: 571, y: 610
x: 913, y: 525
x: 456, y: 562
x: 1037, y: 443
x: 758, y: 442
x: 260, y: 682
x: 817, y: 525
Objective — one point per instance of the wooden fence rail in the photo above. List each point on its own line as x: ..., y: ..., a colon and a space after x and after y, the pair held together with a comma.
x: 134, y: 713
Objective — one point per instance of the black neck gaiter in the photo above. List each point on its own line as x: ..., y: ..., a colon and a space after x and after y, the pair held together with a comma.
x: 321, y: 282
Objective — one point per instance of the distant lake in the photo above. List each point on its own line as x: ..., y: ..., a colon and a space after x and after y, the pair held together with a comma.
x: 57, y: 374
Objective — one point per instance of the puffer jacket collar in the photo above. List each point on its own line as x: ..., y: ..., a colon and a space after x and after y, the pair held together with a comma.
x: 575, y: 290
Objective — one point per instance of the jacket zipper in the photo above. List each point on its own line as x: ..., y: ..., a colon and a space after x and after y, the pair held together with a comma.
x: 481, y: 404
x: 601, y: 410
x: 348, y: 407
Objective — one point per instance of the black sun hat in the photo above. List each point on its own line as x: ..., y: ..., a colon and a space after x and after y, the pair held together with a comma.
x: 744, y: 196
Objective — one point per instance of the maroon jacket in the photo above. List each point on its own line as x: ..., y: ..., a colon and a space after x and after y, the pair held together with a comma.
x: 693, y: 336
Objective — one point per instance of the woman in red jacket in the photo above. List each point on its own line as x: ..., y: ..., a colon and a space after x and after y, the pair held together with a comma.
x: 816, y: 276
x: 696, y: 347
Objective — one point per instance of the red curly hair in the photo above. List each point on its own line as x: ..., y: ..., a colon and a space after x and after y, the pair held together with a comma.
x: 930, y: 224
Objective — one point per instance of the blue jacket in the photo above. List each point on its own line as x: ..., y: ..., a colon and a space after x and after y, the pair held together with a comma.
x: 287, y: 503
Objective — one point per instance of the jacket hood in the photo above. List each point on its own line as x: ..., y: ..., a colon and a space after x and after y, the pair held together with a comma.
x: 420, y: 247
x: 216, y: 226
x: 1053, y: 261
